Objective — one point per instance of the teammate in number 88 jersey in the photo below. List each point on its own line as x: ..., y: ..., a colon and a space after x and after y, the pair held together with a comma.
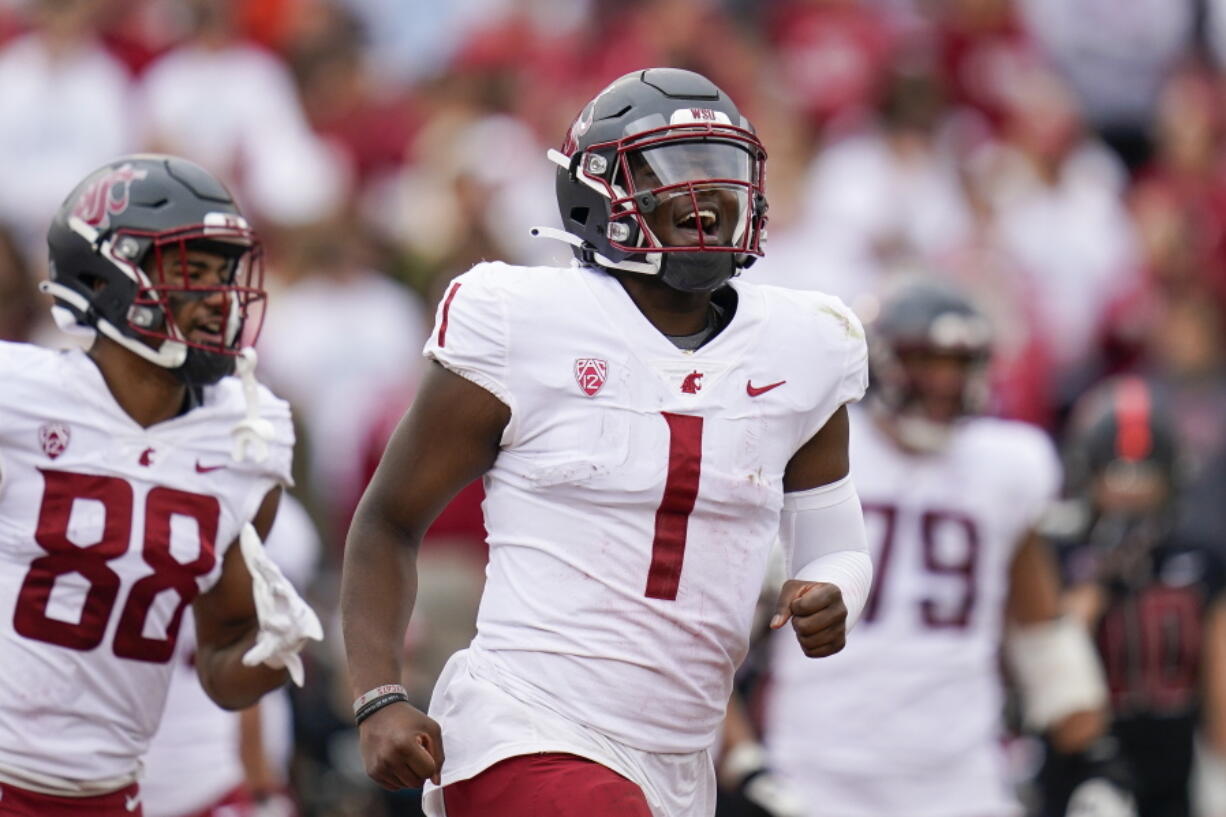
x: 127, y: 474
x: 92, y: 538
x: 643, y: 424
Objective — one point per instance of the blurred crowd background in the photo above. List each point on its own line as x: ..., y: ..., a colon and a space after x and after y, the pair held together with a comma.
x: 1064, y: 160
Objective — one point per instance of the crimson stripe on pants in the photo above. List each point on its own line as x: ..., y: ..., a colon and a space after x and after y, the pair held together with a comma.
x: 16, y: 802
x: 548, y: 784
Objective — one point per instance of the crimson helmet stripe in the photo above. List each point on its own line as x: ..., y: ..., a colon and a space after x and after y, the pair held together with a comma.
x: 1133, y: 440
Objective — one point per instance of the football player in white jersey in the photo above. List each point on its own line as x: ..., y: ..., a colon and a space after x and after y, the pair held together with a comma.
x: 129, y: 473
x: 643, y: 420
x: 907, y: 721
x: 205, y: 762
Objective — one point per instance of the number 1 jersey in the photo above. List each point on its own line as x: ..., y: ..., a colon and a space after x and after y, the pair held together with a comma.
x: 637, y: 491
x: 108, y: 531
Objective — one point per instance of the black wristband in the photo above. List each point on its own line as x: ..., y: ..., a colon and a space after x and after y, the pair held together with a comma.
x: 374, y: 706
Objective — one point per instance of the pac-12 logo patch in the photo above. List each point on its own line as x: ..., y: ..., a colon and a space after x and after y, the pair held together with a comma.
x: 54, y: 438
x: 590, y: 374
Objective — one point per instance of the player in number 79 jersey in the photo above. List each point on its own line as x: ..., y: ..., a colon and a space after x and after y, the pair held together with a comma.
x: 908, y: 720
x: 128, y: 476
x: 643, y: 421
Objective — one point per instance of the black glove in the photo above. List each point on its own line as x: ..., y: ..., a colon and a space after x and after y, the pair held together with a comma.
x: 1092, y: 783
x: 756, y: 791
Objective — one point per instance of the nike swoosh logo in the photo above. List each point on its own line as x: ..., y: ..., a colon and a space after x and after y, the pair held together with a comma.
x: 204, y: 469
x: 131, y: 803
x: 754, y: 391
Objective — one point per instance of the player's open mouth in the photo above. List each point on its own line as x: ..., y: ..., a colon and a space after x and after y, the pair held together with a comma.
x: 704, y: 221
x: 207, y: 333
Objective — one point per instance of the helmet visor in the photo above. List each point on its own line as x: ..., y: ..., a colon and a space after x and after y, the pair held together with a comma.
x: 692, y: 195
x: 679, y: 162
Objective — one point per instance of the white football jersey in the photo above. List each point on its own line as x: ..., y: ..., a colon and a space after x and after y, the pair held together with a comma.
x: 633, y: 504
x: 107, y: 532
x: 906, y: 719
x: 193, y: 760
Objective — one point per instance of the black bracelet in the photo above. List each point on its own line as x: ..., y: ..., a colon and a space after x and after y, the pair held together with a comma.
x: 378, y: 703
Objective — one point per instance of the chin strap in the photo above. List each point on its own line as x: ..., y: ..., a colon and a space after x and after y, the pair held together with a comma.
x: 650, y: 267
x: 169, y: 355
x: 922, y: 435
x: 641, y: 267
x: 252, y: 433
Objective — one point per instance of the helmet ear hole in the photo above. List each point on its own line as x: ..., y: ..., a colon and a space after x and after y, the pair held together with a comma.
x: 579, y: 215
x: 145, y: 317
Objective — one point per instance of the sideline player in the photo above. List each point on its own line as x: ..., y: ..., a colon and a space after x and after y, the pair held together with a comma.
x: 1153, y: 597
x: 127, y: 475
x: 642, y: 419
x: 908, y: 719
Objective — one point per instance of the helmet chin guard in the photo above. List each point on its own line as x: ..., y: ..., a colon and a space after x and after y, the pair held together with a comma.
x: 918, y: 433
x: 661, y: 175
x: 696, y: 271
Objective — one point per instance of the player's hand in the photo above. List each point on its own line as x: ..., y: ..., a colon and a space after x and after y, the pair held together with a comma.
x: 818, y: 616
x: 401, y: 747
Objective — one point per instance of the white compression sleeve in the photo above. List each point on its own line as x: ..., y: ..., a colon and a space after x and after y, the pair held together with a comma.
x: 822, y: 531
x: 1057, y: 669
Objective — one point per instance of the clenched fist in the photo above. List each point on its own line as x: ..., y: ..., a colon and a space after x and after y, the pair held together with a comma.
x: 818, y: 616
x: 401, y: 747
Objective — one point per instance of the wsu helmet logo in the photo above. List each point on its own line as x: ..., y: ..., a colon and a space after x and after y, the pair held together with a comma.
x: 590, y: 374
x: 107, y: 196
x: 571, y: 143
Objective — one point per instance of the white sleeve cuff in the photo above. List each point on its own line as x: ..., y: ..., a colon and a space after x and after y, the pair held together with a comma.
x: 849, y: 570
x: 1057, y: 670
x: 822, y: 531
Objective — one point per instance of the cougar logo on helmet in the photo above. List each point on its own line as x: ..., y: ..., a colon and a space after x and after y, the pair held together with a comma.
x: 584, y: 121
x: 100, y: 200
